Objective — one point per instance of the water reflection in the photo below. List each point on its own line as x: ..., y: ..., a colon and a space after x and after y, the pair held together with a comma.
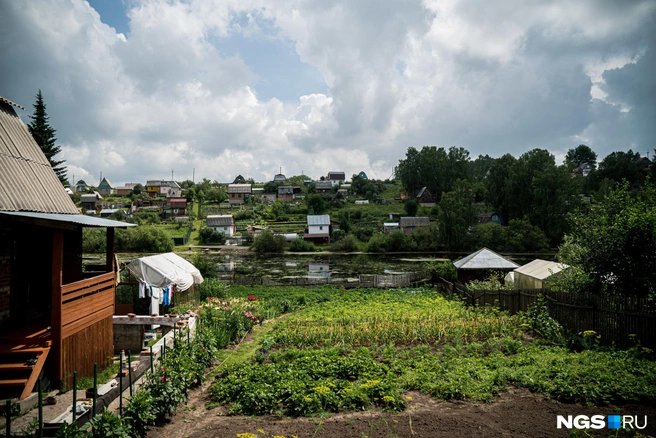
x: 318, y: 270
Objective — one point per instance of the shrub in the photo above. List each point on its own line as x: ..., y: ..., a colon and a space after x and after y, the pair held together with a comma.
x: 210, y: 235
x: 267, y: 242
x: 347, y: 244
x: 205, y: 265
x: 134, y: 239
x: 300, y: 245
x: 443, y: 269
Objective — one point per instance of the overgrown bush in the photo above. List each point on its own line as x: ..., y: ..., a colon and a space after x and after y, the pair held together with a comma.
x: 209, y: 235
x: 347, y: 244
x: 300, y: 245
x: 134, y: 239
x: 396, y: 241
x: 205, y: 265
x: 442, y: 269
x: 267, y: 242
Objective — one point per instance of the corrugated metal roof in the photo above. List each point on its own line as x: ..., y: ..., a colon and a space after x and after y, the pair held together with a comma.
x: 322, y: 219
x: 239, y: 188
x: 484, y: 259
x: 408, y: 221
x: 323, y: 185
x: 285, y: 190
x: 27, y: 182
x: 220, y: 220
x: 5, y: 100
x: 85, y: 221
x: 541, y: 269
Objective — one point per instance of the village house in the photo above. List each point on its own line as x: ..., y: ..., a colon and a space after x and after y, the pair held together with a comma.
x: 285, y: 193
x: 126, y: 189
x: 336, y: 178
x: 238, y: 192
x: 425, y: 198
x: 318, y: 229
x: 495, y: 218
x: 55, y: 317
x: 168, y: 189
x: 91, y: 201
x: 175, y: 207
x: 106, y: 188
x: 81, y: 186
x: 323, y: 187
x: 280, y: 180
x: 408, y: 224
x: 222, y: 223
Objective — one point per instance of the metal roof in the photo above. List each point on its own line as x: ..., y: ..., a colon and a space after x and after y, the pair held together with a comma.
x: 80, y: 219
x: 220, y: 220
x: 5, y: 100
x: 336, y: 175
x: 322, y: 219
x: 323, y: 185
x: 484, y: 259
x: 27, y: 182
x: 541, y: 269
x: 409, y: 221
x: 285, y: 190
x: 239, y: 188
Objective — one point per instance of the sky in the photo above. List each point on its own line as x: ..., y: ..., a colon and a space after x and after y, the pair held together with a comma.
x: 138, y: 89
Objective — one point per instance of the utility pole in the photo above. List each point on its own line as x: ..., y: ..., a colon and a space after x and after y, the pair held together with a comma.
x: 171, y: 174
x: 193, y: 176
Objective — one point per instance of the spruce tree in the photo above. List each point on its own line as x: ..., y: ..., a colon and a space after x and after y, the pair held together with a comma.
x: 44, y: 135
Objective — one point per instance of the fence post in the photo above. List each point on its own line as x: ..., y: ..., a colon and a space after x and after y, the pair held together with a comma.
x: 95, y: 389
x: 40, y: 409
x: 74, y: 396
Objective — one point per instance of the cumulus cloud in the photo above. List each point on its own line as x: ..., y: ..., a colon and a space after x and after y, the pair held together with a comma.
x: 493, y: 78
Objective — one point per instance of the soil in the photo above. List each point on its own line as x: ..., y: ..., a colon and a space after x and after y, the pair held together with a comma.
x: 516, y: 413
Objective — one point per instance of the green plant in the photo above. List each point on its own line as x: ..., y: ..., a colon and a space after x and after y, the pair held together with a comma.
x: 140, y: 413
x: 109, y: 426
x: 442, y: 269
x: 267, y: 242
x: 300, y: 245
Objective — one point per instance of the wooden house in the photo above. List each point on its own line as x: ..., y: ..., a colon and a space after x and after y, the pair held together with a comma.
x: 285, y: 193
x: 425, y: 198
x: 280, y: 180
x: 126, y: 189
x: 238, y: 192
x: 106, y: 188
x: 175, y: 207
x: 81, y: 186
x: 323, y: 187
x: 91, y: 201
x: 55, y: 318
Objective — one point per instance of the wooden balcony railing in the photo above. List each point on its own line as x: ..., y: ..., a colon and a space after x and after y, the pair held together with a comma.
x: 87, y: 302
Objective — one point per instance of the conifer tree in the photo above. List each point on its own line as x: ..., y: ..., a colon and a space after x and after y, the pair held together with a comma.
x: 44, y: 135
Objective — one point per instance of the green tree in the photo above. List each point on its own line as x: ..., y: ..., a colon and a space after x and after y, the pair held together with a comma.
x: 44, y: 135
x: 497, y: 185
x: 619, y: 166
x: 137, y: 189
x: 267, y: 242
x: 456, y: 214
x: 410, y: 206
x: 580, y: 155
x: 613, y: 247
x: 317, y: 204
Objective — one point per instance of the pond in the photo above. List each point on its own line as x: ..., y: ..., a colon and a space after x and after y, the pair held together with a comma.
x: 325, y: 265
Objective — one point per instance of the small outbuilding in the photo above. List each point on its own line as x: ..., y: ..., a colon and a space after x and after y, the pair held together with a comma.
x: 478, y: 265
x: 536, y: 274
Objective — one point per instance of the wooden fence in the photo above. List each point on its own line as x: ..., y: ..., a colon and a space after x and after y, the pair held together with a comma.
x: 622, y: 319
x: 365, y: 280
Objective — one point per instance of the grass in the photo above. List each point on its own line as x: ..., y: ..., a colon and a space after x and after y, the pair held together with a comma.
x: 104, y: 376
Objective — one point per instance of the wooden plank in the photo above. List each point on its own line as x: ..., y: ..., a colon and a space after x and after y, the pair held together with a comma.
x: 15, y: 367
x: 83, y: 284
x: 89, y: 291
x: 36, y: 371
x: 12, y: 382
x: 87, y: 321
x: 78, y: 309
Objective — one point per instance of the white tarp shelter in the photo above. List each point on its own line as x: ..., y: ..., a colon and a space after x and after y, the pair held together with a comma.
x: 162, y: 270
x: 536, y: 274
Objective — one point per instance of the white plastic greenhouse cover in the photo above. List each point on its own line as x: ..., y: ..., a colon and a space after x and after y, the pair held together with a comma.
x: 164, y: 269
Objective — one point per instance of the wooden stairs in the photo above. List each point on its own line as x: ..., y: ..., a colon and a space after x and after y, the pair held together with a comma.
x: 22, y: 357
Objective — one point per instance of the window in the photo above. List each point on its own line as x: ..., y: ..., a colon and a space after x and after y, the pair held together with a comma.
x: 320, y: 228
x: 232, y: 195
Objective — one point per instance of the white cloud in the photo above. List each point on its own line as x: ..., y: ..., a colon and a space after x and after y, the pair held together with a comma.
x: 491, y: 77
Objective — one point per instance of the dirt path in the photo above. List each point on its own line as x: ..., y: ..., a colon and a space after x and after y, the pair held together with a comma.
x: 517, y: 413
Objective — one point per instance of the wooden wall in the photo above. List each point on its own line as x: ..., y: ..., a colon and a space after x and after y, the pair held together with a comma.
x: 93, y: 344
